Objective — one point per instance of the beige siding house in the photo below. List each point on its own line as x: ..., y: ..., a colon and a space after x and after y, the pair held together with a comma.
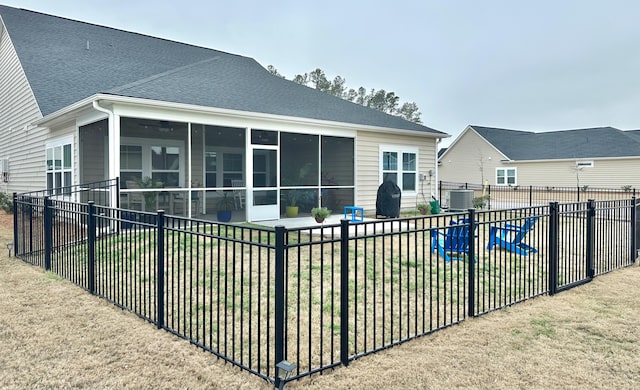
x: 202, y: 125
x: 597, y: 157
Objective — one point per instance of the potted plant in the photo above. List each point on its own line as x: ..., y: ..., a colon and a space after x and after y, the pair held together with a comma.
x: 320, y: 213
x: 150, y: 197
x: 225, y: 204
x: 424, y: 208
x: 294, y: 195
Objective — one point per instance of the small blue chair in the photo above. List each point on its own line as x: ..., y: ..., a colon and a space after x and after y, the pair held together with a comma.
x: 453, y: 243
x: 509, y: 237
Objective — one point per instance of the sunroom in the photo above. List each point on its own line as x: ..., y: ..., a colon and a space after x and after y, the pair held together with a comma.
x: 223, y: 172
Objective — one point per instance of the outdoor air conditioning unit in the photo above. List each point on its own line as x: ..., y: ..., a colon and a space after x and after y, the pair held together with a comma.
x: 460, y: 200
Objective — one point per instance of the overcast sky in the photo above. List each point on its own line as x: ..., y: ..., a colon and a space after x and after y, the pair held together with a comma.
x: 536, y: 65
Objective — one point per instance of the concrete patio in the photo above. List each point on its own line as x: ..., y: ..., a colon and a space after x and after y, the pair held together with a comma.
x: 331, y: 225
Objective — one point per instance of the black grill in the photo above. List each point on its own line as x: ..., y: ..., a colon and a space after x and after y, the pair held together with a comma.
x: 388, y: 200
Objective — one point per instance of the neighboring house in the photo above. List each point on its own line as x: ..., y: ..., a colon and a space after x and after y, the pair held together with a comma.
x: 81, y: 103
x: 597, y: 157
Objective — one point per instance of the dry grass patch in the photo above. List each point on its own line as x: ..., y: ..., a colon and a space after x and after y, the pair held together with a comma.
x: 55, y: 335
x: 583, y: 338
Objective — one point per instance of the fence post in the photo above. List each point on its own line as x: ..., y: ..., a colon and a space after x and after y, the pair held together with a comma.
x: 591, y: 236
x: 48, y: 227
x: 344, y: 292
x: 530, y: 196
x: 160, y: 270
x: 471, y: 277
x: 553, y: 248
x: 91, y: 246
x: 489, y: 196
x: 279, y: 309
x: 117, y: 192
x: 15, y: 224
x: 578, y: 192
x: 634, y: 230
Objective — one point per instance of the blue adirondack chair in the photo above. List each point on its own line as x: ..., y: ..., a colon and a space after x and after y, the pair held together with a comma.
x: 510, y: 237
x: 453, y: 243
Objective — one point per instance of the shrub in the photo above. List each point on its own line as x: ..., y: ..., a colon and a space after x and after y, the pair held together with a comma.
x: 424, y: 208
x: 6, y: 202
x: 480, y: 202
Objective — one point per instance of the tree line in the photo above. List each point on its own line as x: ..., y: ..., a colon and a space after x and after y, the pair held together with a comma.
x: 380, y: 99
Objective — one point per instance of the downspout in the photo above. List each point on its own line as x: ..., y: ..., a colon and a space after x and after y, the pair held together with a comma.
x: 434, y: 180
x: 114, y: 146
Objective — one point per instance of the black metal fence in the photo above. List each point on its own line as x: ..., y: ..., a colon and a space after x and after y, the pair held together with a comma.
x: 324, y: 295
x: 100, y: 192
x: 493, y: 197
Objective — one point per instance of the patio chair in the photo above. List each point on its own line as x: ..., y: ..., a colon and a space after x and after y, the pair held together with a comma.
x: 509, y: 237
x: 453, y: 243
x: 133, y: 198
x: 238, y: 194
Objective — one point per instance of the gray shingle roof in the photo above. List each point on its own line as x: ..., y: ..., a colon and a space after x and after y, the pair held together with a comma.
x: 67, y: 61
x: 580, y: 143
x: 634, y: 133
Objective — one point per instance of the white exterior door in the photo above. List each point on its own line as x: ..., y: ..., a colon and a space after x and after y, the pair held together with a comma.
x: 264, y: 199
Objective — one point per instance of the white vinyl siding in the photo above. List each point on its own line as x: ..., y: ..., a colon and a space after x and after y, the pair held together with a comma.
x: 20, y: 143
x: 470, y: 160
x: 368, y: 174
x: 605, y: 173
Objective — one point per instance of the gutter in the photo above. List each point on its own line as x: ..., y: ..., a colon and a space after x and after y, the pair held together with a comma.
x: 113, y: 147
x: 230, y: 113
x: 97, y: 106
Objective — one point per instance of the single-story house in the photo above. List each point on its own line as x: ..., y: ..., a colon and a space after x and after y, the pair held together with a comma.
x: 597, y: 157
x: 81, y: 103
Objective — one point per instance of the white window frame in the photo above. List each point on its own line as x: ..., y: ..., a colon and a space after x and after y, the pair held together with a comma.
x: 220, y: 171
x: 146, y: 144
x: 506, y: 176
x: 127, y: 169
x: 401, y: 150
x: 52, y: 145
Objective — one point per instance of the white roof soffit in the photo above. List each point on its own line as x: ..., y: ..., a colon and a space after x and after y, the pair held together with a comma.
x: 71, y: 110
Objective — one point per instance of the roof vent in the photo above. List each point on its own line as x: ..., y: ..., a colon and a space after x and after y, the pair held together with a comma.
x: 584, y: 164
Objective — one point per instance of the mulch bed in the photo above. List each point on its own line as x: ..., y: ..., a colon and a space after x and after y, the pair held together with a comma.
x: 6, y: 220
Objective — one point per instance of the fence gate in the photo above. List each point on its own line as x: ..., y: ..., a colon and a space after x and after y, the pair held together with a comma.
x: 571, y: 262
